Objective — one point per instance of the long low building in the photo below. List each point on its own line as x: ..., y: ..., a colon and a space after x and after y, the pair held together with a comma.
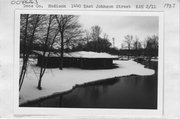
x: 81, y: 59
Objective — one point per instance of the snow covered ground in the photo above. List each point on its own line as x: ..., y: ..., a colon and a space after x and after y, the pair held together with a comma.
x: 55, y: 80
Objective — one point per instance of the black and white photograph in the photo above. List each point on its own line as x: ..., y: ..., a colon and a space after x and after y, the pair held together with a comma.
x: 88, y: 61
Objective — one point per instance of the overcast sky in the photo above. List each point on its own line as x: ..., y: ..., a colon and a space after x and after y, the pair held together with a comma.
x: 119, y: 26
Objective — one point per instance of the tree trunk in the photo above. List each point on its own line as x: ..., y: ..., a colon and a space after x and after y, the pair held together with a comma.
x: 43, y: 67
x: 62, y: 52
x: 28, y: 50
x: 24, y: 55
x: 128, y: 51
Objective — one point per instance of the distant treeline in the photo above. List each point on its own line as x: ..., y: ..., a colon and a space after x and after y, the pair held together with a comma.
x: 139, y: 52
x: 110, y: 50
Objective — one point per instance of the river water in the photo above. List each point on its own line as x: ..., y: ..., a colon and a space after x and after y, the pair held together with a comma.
x: 128, y: 92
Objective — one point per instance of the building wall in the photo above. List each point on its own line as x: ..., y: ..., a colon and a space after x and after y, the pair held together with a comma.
x: 87, y: 63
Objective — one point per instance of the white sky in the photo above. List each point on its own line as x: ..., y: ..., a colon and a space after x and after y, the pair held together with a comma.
x: 119, y: 26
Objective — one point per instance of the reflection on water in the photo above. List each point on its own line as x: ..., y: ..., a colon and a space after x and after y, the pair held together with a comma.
x: 127, y: 92
x: 134, y: 92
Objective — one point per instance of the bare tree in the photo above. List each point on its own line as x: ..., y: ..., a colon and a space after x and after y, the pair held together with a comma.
x: 23, y: 69
x: 122, y: 45
x: 105, y: 36
x: 151, y: 46
x: 72, y: 37
x: 27, y: 44
x: 136, y: 45
x: 95, y: 32
x: 128, y: 40
x: 144, y: 44
x: 68, y: 29
x: 87, y: 36
x: 48, y: 39
x: 43, y: 67
x: 152, y: 42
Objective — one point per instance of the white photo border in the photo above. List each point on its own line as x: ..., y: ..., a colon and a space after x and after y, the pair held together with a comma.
x: 87, y: 112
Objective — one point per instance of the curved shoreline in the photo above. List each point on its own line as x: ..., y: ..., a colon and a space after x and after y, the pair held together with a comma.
x: 97, y: 82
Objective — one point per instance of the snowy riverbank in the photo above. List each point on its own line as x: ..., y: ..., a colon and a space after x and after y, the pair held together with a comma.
x: 55, y: 80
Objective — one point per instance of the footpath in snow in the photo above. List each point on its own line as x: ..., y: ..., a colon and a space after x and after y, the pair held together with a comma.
x: 55, y: 80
